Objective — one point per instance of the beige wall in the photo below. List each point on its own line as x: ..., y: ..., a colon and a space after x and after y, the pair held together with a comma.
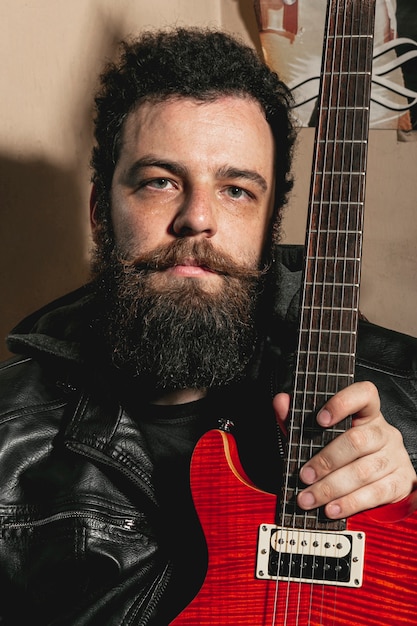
x: 51, y: 52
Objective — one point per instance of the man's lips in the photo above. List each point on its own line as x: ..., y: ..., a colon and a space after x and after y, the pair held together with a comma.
x: 191, y: 270
x: 201, y: 263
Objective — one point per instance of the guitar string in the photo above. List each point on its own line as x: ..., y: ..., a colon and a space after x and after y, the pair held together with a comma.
x: 339, y: 12
x: 348, y: 291
x: 344, y: 137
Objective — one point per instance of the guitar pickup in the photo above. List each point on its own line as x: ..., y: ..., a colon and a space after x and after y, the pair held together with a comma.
x: 311, y: 556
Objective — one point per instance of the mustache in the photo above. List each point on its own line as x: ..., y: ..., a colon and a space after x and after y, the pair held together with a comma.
x: 201, y: 253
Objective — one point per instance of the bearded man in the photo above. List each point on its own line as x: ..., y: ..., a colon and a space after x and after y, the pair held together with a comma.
x: 189, y: 317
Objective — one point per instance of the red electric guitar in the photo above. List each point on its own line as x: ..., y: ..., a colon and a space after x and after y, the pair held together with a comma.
x: 302, y: 569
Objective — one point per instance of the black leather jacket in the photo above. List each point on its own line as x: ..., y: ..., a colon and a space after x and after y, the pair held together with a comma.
x: 77, y: 502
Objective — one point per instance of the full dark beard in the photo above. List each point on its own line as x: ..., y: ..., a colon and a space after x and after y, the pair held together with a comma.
x: 177, y: 335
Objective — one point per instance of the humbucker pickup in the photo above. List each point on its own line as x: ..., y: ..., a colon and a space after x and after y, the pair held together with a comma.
x: 311, y: 556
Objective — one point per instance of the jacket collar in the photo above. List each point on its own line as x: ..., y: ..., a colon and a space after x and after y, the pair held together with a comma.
x: 102, y: 430
x: 58, y: 329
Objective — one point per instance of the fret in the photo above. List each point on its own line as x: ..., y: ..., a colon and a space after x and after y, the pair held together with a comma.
x: 329, y: 308
x: 319, y: 352
x: 324, y: 318
x: 331, y: 231
x: 342, y: 108
x: 349, y: 103
x: 327, y: 340
x: 331, y: 331
x: 336, y: 203
x: 302, y: 518
x: 332, y: 258
x: 347, y: 73
x: 335, y: 431
x: 355, y: 108
x: 311, y: 367
x: 341, y: 161
x: 315, y: 399
x: 332, y: 213
x: 342, y: 242
x: 317, y: 373
x: 307, y: 522
x: 343, y: 61
x: 297, y: 461
x: 330, y: 366
x: 325, y: 300
x: 331, y: 284
x: 341, y: 173
x: 325, y: 296
x: 333, y: 186
x: 343, y: 142
x: 313, y: 381
x: 347, y: 228
x: 325, y: 381
x: 329, y: 269
x: 340, y: 57
x: 348, y: 124
x: 343, y: 122
x: 351, y: 36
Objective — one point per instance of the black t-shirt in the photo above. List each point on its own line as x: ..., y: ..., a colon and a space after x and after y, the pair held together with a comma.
x: 171, y: 434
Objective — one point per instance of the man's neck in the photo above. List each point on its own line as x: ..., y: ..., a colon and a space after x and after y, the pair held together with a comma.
x: 180, y: 396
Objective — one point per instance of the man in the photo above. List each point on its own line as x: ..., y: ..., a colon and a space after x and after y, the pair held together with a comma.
x: 184, y: 323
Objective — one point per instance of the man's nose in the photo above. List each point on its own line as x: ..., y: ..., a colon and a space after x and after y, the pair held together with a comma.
x: 196, y: 215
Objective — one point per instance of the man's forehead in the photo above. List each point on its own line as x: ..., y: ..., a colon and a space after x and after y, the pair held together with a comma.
x: 143, y: 110
x: 232, y: 120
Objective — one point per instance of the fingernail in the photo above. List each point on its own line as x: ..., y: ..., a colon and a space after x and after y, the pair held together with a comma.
x: 324, y: 418
x: 333, y: 510
x: 308, y: 475
x: 306, y: 500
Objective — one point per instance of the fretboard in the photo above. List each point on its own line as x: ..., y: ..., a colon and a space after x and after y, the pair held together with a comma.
x: 325, y: 357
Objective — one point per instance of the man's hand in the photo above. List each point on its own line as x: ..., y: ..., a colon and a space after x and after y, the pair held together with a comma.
x: 365, y: 467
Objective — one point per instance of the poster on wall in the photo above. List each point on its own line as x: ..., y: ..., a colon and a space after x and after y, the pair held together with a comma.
x: 291, y: 34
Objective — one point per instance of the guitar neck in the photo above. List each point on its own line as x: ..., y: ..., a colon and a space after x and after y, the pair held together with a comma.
x: 325, y: 357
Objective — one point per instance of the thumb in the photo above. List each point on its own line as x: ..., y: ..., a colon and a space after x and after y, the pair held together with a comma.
x: 281, y: 404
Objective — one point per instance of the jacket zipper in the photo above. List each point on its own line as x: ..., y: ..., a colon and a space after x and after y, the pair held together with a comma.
x: 159, y: 590
x: 126, y: 523
x: 143, y: 482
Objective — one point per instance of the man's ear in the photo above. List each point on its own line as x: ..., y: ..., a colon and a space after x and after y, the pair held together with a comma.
x: 94, y: 224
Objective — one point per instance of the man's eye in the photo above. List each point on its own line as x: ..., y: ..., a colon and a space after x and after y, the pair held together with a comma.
x: 158, y: 183
x: 237, y: 192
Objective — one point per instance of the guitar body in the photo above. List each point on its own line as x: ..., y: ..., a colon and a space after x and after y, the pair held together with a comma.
x: 231, y: 509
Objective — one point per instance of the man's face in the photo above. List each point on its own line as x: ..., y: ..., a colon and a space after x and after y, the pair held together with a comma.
x: 191, y: 206
x: 194, y: 171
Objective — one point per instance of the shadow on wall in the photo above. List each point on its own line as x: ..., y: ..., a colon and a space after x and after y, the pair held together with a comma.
x: 44, y: 243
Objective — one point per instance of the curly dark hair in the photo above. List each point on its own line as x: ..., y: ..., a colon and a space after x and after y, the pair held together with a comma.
x: 193, y: 63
